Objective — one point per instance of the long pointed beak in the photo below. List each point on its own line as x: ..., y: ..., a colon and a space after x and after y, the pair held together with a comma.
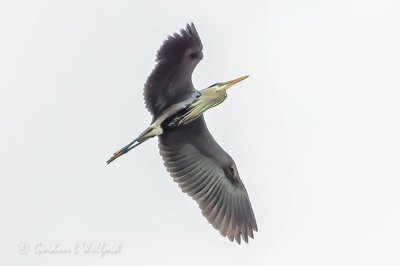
x: 232, y: 82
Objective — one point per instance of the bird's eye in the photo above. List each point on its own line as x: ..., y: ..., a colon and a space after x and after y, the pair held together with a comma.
x: 215, y: 84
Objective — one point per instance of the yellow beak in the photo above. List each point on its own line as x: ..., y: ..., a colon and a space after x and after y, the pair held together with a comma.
x: 228, y: 84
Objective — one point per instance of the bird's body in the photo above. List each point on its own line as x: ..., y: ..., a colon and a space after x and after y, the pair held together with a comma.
x: 194, y: 159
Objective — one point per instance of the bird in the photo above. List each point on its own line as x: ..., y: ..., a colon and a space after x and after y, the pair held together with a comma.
x: 196, y: 162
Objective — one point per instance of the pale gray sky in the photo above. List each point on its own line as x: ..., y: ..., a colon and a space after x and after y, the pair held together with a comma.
x: 314, y: 131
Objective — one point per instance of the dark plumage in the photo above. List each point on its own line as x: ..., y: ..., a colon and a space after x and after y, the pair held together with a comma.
x: 194, y: 159
x: 208, y: 174
x: 171, y: 79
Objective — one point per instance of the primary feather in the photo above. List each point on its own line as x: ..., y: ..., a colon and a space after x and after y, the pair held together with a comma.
x: 171, y: 79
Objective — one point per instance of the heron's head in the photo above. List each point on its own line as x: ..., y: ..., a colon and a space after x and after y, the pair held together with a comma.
x: 223, y: 86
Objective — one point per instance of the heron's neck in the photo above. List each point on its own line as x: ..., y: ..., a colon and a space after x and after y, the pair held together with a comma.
x: 209, y: 98
x: 202, y: 103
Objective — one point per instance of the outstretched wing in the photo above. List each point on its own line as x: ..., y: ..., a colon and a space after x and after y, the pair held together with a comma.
x: 208, y: 174
x: 171, y: 79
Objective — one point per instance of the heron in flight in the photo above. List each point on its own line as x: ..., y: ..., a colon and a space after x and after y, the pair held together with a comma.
x: 194, y: 159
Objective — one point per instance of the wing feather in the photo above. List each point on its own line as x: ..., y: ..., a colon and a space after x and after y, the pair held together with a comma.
x: 171, y: 79
x: 196, y: 162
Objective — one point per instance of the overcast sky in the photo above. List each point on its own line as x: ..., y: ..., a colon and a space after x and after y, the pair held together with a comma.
x: 314, y: 131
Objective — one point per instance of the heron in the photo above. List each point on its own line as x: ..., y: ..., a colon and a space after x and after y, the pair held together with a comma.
x: 196, y: 162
